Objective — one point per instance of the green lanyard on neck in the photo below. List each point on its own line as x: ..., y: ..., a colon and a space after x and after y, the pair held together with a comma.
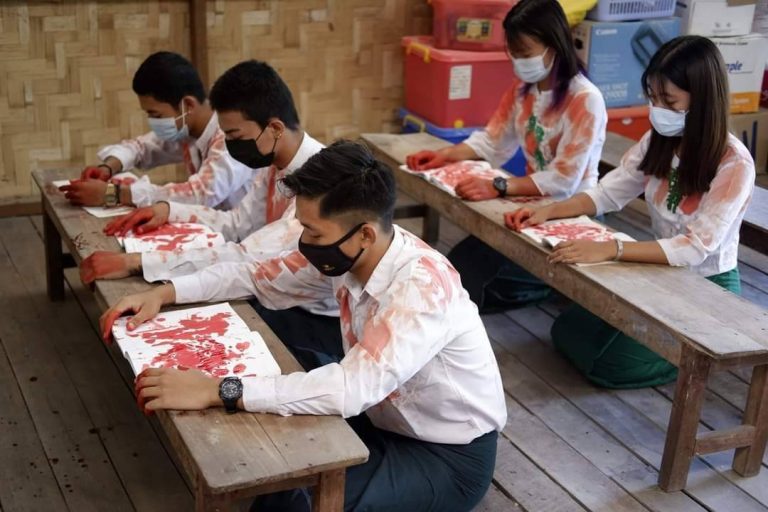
x: 674, y: 196
x: 538, y: 132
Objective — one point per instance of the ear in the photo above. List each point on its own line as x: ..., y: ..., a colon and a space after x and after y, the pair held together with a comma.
x: 369, y: 235
x: 277, y: 127
x: 190, y: 103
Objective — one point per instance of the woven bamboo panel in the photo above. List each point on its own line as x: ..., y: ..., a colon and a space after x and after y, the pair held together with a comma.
x: 341, y: 58
x: 65, y: 80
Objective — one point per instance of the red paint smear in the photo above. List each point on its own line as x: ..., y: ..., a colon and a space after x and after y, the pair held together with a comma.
x: 452, y: 174
x: 170, y: 237
x: 574, y: 232
x: 242, y: 347
x: 239, y: 368
x: 206, y: 355
x: 193, y: 328
x: 211, y: 235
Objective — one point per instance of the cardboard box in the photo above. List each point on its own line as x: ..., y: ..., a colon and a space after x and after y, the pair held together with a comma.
x: 716, y: 18
x: 752, y: 130
x: 616, y: 54
x: 745, y: 58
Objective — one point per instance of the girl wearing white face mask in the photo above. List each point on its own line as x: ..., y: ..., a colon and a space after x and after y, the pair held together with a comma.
x: 697, y: 180
x: 556, y: 116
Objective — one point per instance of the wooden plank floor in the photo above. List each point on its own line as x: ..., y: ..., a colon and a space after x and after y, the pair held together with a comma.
x: 72, y: 438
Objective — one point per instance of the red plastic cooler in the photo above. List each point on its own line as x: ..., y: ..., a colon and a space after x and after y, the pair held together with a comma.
x: 452, y: 88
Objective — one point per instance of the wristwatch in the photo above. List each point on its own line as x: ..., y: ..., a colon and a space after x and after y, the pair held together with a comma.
x: 230, y: 391
x: 111, y: 197
x: 500, y: 184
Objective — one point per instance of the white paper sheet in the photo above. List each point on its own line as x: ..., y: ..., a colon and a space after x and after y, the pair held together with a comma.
x: 172, y: 237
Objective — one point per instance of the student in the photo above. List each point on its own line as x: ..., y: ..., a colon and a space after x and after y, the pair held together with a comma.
x: 258, y: 116
x: 556, y: 116
x: 418, y: 361
x: 697, y: 180
x: 184, y: 129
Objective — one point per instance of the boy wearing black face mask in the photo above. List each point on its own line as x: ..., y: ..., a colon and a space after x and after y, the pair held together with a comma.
x: 417, y: 359
x: 258, y: 116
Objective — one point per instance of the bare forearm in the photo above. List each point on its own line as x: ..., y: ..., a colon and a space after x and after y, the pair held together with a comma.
x: 644, y: 252
x: 580, y: 204
x: 114, y: 164
x: 459, y: 152
x: 522, y: 186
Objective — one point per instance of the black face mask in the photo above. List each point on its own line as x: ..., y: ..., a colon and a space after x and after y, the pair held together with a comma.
x: 247, y: 152
x: 330, y: 259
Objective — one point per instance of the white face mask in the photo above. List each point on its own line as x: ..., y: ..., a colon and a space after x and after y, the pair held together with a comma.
x: 532, y: 70
x: 669, y: 123
x: 165, y: 127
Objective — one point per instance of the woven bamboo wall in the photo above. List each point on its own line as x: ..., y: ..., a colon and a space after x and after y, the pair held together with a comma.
x: 66, y: 68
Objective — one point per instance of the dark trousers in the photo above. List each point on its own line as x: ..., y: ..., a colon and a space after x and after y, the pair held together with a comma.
x: 314, y: 340
x: 404, y: 475
x: 494, y: 283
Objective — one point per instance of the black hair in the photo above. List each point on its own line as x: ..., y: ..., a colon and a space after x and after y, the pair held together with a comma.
x: 254, y: 89
x: 168, y: 77
x: 545, y: 21
x: 695, y: 65
x: 349, y: 181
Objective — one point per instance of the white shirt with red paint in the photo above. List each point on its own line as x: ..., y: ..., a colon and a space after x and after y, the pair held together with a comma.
x: 703, y: 232
x: 562, y: 148
x: 215, y: 178
x: 250, y: 222
x: 417, y: 359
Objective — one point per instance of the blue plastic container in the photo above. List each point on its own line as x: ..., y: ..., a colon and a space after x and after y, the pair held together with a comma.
x: 415, y: 124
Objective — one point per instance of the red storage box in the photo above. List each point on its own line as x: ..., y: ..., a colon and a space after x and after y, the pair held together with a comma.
x: 472, y: 25
x: 451, y: 88
x: 630, y: 122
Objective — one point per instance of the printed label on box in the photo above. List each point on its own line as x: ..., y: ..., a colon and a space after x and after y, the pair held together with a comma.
x: 460, y: 86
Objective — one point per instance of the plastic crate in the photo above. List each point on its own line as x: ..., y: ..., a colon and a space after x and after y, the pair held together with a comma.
x: 620, y: 10
x: 632, y: 122
x: 470, y: 25
x: 414, y: 124
x: 452, y: 87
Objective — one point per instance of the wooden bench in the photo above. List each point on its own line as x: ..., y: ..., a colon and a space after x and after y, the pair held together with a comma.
x: 754, y: 228
x: 226, y: 457
x: 691, y: 330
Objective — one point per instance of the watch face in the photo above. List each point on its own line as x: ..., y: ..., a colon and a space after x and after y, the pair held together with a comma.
x: 231, y: 388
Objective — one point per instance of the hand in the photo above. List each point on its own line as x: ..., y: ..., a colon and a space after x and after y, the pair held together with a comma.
x: 109, y: 265
x: 424, y: 160
x: 140, y: 221
x: 583, y: 251
x: 88, y: 192
x: 145, y: 306
x: 95, y: 173
x: 525, y: 217
x: 181, y: 390
x: 476, y: 189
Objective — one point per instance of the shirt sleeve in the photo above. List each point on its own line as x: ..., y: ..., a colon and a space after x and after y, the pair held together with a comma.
x: 398, y: 340
x: 583, y: 135
x: 282, y: 282
x: 268, y: 242
x: 623, y: 184
x: 719, y: 209
x: 236, y: 224
x: 143, y: 152
x: 499, y: 141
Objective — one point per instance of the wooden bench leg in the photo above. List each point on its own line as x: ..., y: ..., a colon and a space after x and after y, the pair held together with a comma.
x: 54, y: 260
x: 329, y: 493
x: 431, y: 226
x: 205, y: 502
x: 680, y: 445
x: 748, y: 459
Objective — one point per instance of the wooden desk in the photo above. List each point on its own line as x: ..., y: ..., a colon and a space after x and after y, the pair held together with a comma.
x: 226, y: 457
x: 696, y: 330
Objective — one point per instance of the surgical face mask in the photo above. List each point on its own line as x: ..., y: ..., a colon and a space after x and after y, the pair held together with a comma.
x: 246, y: 151
x: 330, y: 259
x: 165, y: 127
x: 532, y: 70
x: 669, y: 123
